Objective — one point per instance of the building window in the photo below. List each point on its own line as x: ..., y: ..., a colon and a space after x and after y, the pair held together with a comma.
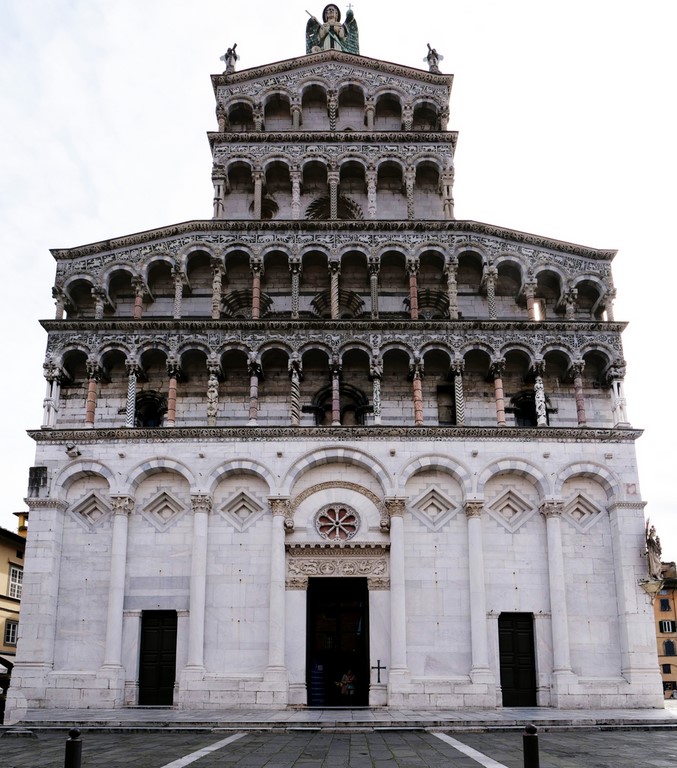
x: 669, y: 648
x: 666, y: 626
x: 665, y: 604
x: 16, y: 577
x: 11, y: 629
x: 666, y: 668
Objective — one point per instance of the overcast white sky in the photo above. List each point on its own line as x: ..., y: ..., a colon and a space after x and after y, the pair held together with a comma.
x: 566, y: 113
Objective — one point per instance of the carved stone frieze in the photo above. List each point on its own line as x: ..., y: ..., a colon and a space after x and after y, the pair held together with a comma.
x: 338, y: 434
x: 218, y: 336
x: 368, y: 560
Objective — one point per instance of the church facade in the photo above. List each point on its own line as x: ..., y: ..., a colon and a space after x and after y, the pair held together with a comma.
x: 333, y: 446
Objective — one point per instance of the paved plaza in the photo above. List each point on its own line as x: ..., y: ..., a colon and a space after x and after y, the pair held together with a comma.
x: 319, y: 749
x: 351, y: 738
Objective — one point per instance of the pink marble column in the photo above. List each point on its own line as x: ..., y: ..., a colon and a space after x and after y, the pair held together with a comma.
x: 530, y: 293
x: 497, y: 370
x: 578, y: 392
x: 416, y: 373
x: 137, y: 284
x: 257, y: 271
x: 93, y: 378
x: 173, y: 371
x: 412, y: 269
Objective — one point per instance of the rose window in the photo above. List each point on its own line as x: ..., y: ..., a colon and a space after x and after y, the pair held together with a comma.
x: 337, y: 522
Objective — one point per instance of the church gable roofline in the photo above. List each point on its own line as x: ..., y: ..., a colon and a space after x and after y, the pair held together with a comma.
x: 456, y: 226
x: 313, y: 59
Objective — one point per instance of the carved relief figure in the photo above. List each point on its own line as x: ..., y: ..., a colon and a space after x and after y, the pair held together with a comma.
x: 331, y: 33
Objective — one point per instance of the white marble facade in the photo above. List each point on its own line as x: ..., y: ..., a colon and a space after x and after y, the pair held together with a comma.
x: 332, y: 342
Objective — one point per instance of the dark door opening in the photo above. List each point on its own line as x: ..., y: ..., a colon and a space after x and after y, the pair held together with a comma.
x: 157, y: 663
x: 337, y: 642
x: 517, y: 659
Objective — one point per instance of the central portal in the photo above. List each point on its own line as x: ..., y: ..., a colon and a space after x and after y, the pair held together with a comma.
x: 337, y: 653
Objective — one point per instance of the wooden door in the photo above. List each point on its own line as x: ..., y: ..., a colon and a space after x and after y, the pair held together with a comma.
x: 157, y: 664
x: 517, y: 659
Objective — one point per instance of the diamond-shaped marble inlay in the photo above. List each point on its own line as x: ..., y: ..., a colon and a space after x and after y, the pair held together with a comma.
x: 90, y: 511
x: 163, y: 510
x: 433, y: 508
x: 581, y: 512
x: 511, y: 510
x: 242, y: 510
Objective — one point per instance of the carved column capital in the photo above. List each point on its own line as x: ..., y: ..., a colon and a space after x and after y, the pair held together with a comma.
x: 133, y: 368
x: 457, y: 367
x: 395, y: 506
x: 123, y: 504
x: 281, y: 506
x: 497, y: 368
x: 473, y: 508
x: 551, y: 508
x: 412, y: 266
x: 201, y: 502
x: 93, y: 370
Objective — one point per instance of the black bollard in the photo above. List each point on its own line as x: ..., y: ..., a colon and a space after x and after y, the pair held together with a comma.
x: 530, y: 742
x: 73, y: 749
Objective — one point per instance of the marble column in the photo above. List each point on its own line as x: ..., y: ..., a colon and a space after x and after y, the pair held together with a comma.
x: 295, y: 270
x: 376, y: 374
x: 139, y: 290
x: 496, y: 372
x: 179, y: 279
x: 60, y: 298
x: 407, y: 116
x: 447, y: 183
x: 552, y: 512
x: 219, y: 182
x: 276, y: 615
x: 213, y: 393
x: 130, y: 410
x: 296, y: 113
x: 369, y: 112
x: 123, y: 506
x: 398, y: 615
x: 333, y: 182
x: 570, y: 300
x: 257, y: 176
x: 254, y: 370
x: 577, y: 369
x: 374, y: 266
x: 615, y: 381
x: 51, y: 402
x: 202, y: 506
x: 409, y: 184
x: 416, y: 374
x: 332, y: 109
x: 336, y: 394
x: 217, y: 283
x: 530, y: 293
x: 457, y: 368
x: 452, y: 288
x: 295, y: 175
x: 173, y: 373
x: 93, y: 378
x: 479, y: 634
x: 412, y: 270
x: 490, y: 275
x: 539, y: 394
x: 295, y: 371
x: 371, y: 177
x: 334, y: 272
x: 99, y: 296
x: 256, y: 266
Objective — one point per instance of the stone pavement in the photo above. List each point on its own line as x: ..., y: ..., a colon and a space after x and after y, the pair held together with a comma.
x: 321, y: 749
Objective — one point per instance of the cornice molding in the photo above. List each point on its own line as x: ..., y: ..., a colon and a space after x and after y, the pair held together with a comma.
x: 199, y: 227
x: 334, y: 137
x: 312, y: 59
x: 341, y: 434
x: 417, y: 327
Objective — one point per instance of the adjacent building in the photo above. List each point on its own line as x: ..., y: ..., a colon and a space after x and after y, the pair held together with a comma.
x: 665, y: 611
x: 12, y: 546
x: 333, y: 446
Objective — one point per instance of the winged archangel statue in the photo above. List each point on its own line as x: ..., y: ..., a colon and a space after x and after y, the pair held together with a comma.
x: 330, y: 33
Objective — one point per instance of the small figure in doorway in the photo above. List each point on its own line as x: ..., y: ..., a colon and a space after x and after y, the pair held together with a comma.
x: 348, y: 684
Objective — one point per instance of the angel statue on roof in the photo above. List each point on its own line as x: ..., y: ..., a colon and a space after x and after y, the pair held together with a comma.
x: 330, y: 33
